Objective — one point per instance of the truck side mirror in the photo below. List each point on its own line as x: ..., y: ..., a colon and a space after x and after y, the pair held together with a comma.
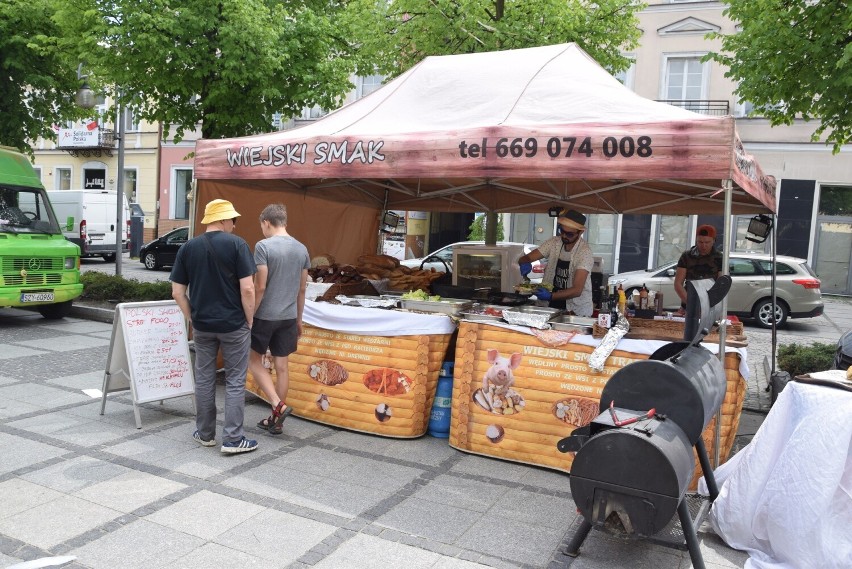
x: 670, y: 272
x: 69, y: 223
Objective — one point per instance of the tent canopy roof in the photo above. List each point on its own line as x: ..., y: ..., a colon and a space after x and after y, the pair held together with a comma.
x: 510, y: 131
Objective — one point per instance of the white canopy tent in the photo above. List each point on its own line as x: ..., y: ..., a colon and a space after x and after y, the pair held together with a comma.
x: 510, y: 131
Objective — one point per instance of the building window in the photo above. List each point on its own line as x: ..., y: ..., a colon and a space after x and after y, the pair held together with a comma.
x: 37, y: 171
x: 368, y: 84
x: 685, y: 79
x: 182, y: 187
x: 743, y: 109
x: 63, y: 178
x: 131, y: 121
x: 130, y: 184
x: 313, y: 113
x: 626, y: 77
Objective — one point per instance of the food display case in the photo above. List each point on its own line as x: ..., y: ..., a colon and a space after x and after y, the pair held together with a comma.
x: 487, y: 266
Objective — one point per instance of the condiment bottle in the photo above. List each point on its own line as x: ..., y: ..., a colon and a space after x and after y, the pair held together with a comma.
x: 622, y: 301
x: 643, y: 298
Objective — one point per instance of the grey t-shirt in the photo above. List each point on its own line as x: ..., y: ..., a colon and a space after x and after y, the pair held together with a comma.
x: 285, y: 258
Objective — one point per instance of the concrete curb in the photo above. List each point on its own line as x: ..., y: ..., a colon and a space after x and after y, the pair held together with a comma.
x: 92, y: 313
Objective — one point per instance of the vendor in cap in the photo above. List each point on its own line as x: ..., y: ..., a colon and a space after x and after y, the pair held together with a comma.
x: 702, y: 261
x: 569, y: 265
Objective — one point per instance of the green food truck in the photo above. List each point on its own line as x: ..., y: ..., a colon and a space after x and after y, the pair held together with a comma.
x: 39, y: 267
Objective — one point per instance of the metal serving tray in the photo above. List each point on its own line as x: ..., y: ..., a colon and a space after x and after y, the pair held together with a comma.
x: 452, y: 306
x: 572, y: 323
x: 533, y: 316
x: 476, y: 313
x: 367, y: 301
x: 536, y: 310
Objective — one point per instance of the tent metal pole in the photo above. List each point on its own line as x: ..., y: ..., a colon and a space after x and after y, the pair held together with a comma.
x: 773, y: 246
x: 380, y: 242
x: 723, y: 328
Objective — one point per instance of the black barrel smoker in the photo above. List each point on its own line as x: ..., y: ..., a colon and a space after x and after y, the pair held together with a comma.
x: 634, y: 462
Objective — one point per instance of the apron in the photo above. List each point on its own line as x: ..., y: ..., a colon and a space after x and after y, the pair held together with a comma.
x: 561, y: 281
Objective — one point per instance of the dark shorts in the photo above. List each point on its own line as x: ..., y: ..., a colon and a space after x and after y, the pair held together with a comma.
x: 279, y: 336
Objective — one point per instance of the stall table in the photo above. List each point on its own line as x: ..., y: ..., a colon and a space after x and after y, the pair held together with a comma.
x: 366, y: 369
x: 552, y: 392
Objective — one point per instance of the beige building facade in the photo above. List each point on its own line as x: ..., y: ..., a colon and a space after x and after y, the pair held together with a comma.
x: 85, y: 156
x: 813, y: 187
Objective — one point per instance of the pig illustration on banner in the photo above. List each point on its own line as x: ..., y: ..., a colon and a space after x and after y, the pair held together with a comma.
x: 497, y: 394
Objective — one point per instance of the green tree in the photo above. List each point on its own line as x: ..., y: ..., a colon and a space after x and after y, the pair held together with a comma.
x: 37, y: 82
x: 394, y: 35
x: 477, y: 228
x: 793, y: 58
x: 228, y: 66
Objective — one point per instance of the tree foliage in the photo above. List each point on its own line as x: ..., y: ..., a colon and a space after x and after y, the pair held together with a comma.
x: 37, y: 83
x: 476, y: 231
x: 394, y: 35
x: 227, y: 65
x: 793, y: 58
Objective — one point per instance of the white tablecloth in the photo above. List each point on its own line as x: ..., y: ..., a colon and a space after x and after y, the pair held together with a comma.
x: 786, y: 498
x: 374, y: 321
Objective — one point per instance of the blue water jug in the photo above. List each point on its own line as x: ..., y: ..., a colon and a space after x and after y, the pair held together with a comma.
x: 439, y: 420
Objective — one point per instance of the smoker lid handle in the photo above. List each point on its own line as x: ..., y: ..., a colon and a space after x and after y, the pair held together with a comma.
x: 574, y: 441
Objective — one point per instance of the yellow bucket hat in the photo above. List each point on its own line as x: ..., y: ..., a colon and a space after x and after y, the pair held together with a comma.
x: 217, y: 210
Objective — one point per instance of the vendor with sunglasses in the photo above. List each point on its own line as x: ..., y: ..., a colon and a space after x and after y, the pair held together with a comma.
x: 569, y: 265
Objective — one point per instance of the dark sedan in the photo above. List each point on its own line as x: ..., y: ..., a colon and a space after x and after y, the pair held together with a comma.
x: 162, y: 252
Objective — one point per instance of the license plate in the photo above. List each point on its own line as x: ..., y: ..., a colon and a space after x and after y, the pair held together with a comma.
x: 36, y: 297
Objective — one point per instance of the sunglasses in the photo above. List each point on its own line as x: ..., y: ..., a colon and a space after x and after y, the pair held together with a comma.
x: 568, y: 234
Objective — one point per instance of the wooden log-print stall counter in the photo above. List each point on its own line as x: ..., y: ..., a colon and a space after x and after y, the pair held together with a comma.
x: 380, y: 384
x: 553, y: 392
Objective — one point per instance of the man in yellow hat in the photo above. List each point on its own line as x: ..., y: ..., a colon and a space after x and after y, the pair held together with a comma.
x: 569, y: 265
x: 212, y: 282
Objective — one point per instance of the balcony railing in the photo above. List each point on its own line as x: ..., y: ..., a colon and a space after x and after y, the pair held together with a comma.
x: 704, y: 107
x: 105, y: 144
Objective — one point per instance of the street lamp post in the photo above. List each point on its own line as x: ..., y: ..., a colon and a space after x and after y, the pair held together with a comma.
x: 86, y: 100
x: 119, y: 193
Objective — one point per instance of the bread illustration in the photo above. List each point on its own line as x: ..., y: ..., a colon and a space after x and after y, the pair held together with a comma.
x: 577, y: 411
x: 328, y: 372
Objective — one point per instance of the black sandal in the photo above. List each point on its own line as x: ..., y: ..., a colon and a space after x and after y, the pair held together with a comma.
x: 269, y: 425
x: 281, y: 411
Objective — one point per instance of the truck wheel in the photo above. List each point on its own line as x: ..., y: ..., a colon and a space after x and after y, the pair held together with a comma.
x: 109, y: 257
x: 55, y: 311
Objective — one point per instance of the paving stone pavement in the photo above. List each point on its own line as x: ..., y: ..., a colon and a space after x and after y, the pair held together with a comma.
x: 74, y: 482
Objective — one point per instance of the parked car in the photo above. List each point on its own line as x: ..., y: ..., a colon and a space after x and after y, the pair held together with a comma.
x: 445, y: 254
x: 797, y: 288
x: 162, y: 251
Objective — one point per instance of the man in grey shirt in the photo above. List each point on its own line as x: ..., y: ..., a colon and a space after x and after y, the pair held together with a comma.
x: 280, y: 283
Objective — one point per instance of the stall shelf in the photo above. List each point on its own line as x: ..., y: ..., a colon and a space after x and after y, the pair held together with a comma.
x: 552, y: 391
x: 366, y: 369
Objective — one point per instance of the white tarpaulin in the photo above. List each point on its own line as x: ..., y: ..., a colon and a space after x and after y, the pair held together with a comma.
x: 786, y: 498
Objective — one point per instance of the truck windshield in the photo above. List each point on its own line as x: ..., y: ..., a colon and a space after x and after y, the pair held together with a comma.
x: 26, y: 210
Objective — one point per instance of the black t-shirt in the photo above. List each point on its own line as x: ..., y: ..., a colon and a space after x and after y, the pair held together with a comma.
x: 700, y: 266
x: 214, y: 297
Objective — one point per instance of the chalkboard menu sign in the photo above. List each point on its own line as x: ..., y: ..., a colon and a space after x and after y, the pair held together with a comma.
x: 149, y: 353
